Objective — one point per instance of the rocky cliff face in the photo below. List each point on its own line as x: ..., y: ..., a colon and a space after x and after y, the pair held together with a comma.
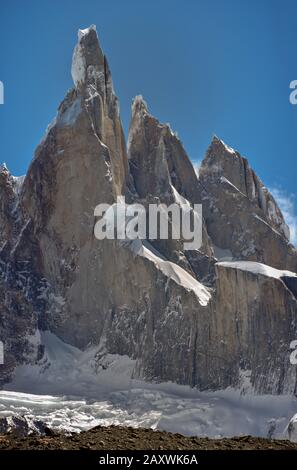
x: 241, y: 215
x: 215, y: 317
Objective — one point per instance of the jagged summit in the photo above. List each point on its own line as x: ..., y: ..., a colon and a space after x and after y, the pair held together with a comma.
x: 140, y: 108
x: 139, y: 105
x: 179, y: 314
x: 85, y: 32
x: 87, y: 53
x: 3, y: 168
x: 216, y: 141
x: 223, y: 165
x: 157, y: 157
x: 91, y: 74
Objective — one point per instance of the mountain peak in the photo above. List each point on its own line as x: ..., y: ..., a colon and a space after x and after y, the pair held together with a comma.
x: 219, y: 143
x: 84, y: 32
x: 139, y: 105
x: 150, y: 302
x: 3, y: 168
x: 88, y: 57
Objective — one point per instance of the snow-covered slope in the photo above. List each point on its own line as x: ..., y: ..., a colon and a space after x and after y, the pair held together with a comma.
x: 75, y: 391
x: 165, y: 406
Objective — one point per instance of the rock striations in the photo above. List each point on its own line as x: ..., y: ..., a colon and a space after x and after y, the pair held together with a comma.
x: 220, y: 316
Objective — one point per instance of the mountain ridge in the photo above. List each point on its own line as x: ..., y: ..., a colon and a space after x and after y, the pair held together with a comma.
x: 56, y: 276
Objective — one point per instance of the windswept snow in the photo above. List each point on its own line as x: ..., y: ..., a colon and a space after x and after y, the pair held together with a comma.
x: 223, y: 179
x: 229, y: 149
x: 257, y: 268
x: 18, y: 183
x: 65, y: 369
x: 53, y: 393
x: 139, y: 104
x: 78, y: 68
x: 256, y: 216
x: 173, y: 271
x: 84, y: 32
x: 70, y: 115
x: 226, y: 181
x: 182, y: 201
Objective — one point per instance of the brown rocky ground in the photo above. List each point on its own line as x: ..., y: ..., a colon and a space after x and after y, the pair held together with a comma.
x: 125, y: 438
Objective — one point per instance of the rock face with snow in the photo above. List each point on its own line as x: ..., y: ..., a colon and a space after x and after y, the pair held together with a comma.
x: 162, y: 173
x: 22, y: 426
x: 18, y: 284
x: 183, y: 316
x: 241, y: 214
x: 292, y: 429
x: 256, y: 313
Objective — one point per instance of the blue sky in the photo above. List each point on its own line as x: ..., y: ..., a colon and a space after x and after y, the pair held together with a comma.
x: 205, y: 66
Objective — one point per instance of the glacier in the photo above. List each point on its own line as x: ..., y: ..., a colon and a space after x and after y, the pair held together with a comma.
x: 71, y: 391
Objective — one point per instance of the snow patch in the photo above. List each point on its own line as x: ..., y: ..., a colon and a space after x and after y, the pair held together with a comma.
x: 139, y: 104
x: 182, y: 201
x: 70, y: 115
x: 18, y: 183
x: 86, y: 31
x: 78, y: 68
x: 257, y: 268
x: 229, y: 149
x: 173, y: 271
x: 225, y: 180
x: 65, y: 369
x: 20, y: 236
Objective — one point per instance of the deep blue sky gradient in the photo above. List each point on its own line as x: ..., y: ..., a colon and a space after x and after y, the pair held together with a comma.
x: 205, y: 66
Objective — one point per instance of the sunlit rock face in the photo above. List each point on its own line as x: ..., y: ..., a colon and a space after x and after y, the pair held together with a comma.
x: 241, y: 214
x: 162, y: 172
x: 195, y: 317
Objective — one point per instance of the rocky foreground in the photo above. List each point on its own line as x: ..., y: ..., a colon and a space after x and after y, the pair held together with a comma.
x: 127, y: 438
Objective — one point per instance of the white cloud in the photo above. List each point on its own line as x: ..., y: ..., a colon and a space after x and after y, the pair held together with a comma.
x: 287, y: 204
